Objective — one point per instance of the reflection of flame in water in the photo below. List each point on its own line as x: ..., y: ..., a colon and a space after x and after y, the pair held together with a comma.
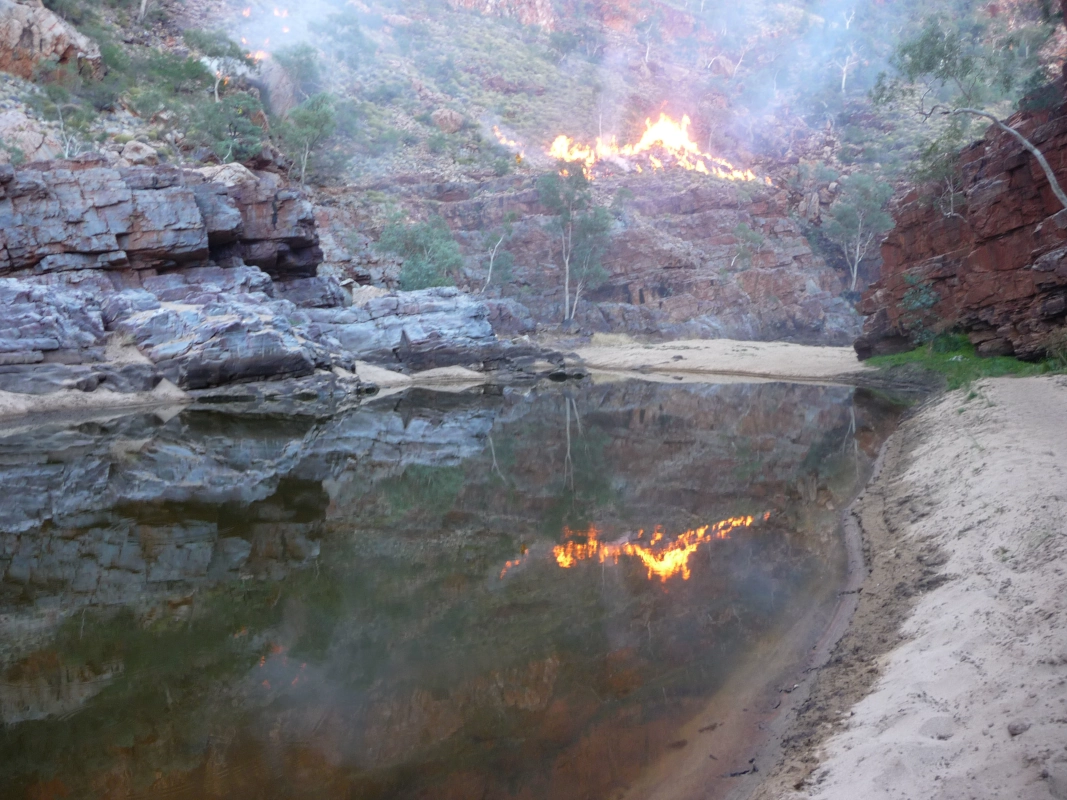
x: 669, y: 140
x: 660, y: 557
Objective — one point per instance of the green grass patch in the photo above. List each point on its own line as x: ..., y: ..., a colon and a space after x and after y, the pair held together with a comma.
x: 955, y: 359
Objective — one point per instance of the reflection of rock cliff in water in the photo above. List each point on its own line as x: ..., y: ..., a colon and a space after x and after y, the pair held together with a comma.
x: 125, y: 510
x: 109, y: 507
x: 400, y: 650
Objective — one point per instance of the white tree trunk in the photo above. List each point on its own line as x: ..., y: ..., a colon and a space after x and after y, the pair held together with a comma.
x: 492, y: 258
x: 1041, y: 160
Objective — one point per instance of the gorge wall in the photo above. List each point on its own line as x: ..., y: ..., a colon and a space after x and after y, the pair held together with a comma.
x: 676, y: 266
x: 996, y: 269
x: 120, y: 277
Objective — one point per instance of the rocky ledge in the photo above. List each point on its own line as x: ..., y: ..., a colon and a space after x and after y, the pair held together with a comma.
x: 120, y: 279
x: 996, y: 268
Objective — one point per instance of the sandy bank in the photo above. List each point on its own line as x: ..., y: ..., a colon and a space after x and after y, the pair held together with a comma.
x: 770, y: 360
x: 951, y: 682
x: 74, y: 401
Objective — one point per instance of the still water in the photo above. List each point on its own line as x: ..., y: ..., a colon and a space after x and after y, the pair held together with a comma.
x: 522, y: 593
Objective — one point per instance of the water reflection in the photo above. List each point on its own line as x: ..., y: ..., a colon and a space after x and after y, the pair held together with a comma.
x: 373, y: 605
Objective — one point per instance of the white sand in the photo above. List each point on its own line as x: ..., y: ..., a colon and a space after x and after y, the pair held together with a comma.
x: 773, y: 360
x: 381, y: 377
x: 440, y: 379
x: 72, y: 400
x: 986, y: 651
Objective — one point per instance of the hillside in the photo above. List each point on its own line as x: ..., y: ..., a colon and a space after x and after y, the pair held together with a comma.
x: 399, y: 112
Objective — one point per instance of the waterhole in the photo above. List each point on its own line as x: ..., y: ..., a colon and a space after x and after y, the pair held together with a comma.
x: 517, y: 593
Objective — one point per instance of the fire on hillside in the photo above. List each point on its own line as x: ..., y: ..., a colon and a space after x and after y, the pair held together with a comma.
x: 665, y: 143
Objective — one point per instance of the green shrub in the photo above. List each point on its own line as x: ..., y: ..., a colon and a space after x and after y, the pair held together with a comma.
x: 438, y: 143
x: 954, y: 358
x: 301, y: 62
x: 1056, y: 347
x: 343, y: 31
x: 303, y: 132
x: 917, y: 303
x: 229, y: 128
x: 431, y: 255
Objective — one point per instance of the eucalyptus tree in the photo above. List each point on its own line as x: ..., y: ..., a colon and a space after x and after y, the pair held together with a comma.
x: 950, y: 71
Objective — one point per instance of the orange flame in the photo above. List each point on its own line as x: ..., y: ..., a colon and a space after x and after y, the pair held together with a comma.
x: 511, y: 144
x: 282, y: 12
x: 664, y: 140
x: 510, y: 565
x: 247, y: 12
x: 664, y: 560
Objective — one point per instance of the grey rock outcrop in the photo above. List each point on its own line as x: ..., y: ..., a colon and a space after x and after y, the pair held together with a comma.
x: 66, y: 216
x: 38, y: 320
x: 211, y: 274
x: 430, y: 327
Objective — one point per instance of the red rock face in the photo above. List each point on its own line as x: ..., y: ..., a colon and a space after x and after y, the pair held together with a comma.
x: 30, y: 34
x: 998, y: 271
x: 675, y: 266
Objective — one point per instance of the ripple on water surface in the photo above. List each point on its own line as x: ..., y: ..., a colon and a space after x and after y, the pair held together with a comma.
x: 520, y: 594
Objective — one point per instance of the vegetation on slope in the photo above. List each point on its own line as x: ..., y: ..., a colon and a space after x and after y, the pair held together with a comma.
x: 954, y: 358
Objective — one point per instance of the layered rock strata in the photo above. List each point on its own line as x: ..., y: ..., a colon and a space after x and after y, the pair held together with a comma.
x: 690, y: 257
x: 996, y: 268
x: 210, y: 274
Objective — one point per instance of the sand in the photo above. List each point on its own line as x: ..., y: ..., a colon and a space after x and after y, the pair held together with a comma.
x: 74, y: 401
x: 951, y: 682
x: 768, y: 360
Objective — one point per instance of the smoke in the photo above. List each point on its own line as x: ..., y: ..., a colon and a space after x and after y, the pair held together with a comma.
x: 268, y: 27
x: 745, y: 72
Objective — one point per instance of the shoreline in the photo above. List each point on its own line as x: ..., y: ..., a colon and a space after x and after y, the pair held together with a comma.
x: 702, y: 358
x: 949, y: 681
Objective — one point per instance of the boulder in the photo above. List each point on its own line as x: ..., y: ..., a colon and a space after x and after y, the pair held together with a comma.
x: 31, y: 34
x: 140, y: 154
x: 447, y: 120
x: 510, y: 317
x: 414, y: 330
x: 226, y: 341
x: 40, y: 320
x: 27, y: 137
x: 312, y: 293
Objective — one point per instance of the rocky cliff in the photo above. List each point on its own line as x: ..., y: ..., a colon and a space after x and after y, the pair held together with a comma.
x: 210, y: 276
x: 996, y: 269
x: 676, y: 266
